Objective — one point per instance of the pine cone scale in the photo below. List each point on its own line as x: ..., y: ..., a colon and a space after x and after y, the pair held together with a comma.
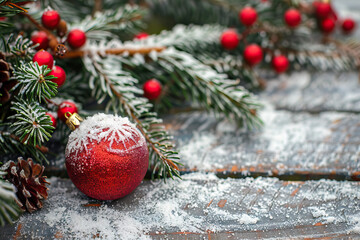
x: 29, y: 182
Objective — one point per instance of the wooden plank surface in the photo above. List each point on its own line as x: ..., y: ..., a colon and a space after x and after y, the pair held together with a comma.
x: 315, y: 92
x: 302, y: 145
x: 200, y: 206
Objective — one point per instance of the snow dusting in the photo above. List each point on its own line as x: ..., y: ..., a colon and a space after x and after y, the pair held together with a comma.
x: 199, y: 203
x: 104, y: 127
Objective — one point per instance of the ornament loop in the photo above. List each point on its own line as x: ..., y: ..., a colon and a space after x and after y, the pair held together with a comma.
x: 73, y: 120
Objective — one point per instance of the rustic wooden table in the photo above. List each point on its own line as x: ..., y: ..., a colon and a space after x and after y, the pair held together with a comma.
x: 296, y: 178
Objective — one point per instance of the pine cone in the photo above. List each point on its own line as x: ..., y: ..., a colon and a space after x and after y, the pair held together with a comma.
x: 5, y: 83
x: 29, y: 182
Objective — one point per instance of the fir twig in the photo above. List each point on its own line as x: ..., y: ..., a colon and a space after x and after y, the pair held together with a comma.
x: 164, y: 158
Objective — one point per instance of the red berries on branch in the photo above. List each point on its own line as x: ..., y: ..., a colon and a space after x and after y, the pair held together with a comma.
x: 43, y: 57
x: 60, y: 75
x: 327, y: 25
x: 230, y: 39
x: 248, y: 16
x: 152, y: 89
x: 292, y: 17
x: 141, y: 35
x: 50, y: 19
x: 348, y: 25
x: 76, y: 38
x: 65, y: 107
x: 40, y: 38
x: 253, y: 54
x: 280, y: 63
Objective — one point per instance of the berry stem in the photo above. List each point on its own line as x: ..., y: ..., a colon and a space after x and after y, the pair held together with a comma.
x: 40, y: 27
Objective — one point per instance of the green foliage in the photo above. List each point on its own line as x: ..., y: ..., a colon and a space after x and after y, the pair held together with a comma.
x: 109, y: 79
x: 9, y: 210
x: 8, y: 9
x: 17, y: 48
x: 34, y: 82
x: 31, y: 124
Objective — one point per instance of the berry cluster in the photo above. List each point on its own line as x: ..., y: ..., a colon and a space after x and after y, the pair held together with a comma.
x: 253, y: 54
x: 52, y: 21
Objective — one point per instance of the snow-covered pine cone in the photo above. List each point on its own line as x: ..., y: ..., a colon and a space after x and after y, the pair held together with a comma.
x: 29, y: 182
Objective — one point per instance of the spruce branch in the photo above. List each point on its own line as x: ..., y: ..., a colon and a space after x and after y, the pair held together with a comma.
x: 122, y: 20
x: 34, y: 82
x: 17, y: 48
x: 108, y: 79
x: 9, y: 210
x: 31, y: 125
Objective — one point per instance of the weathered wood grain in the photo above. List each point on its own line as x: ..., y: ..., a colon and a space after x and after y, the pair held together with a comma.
x: 307, y: 146
x: 317, y: 92
x: 198, y: 207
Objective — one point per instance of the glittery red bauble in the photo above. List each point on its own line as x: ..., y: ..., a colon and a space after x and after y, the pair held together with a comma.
x: 230, y: 39
x: 106, y: 157
x: 44, y: 58
x: 292, y: 17
x: 280, y: 63
x: 65, y: 107
x: 141, y: 35
x: 53, y: 119
x: 50, y: 19
x: 253, y: 54
x: 348, y: 25
x: 76, y: 38
x: 58, y: 72
x: 248, y: 16
x: 152, y: 89
x: 41, y: 39
x: 327, y: 25
x: 322, y: 9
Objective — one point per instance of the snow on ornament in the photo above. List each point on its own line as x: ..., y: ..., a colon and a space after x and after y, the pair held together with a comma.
x: 106, y: 156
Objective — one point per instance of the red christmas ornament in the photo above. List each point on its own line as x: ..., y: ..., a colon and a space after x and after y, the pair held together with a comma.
x: 53, y: 119
x: 44, y: 58
x: 141, y: 35
x: 106, y: 157
x: 292, y: 17
x: 230, y: 39
x: 50, y: 19
x: 253, y: 54
x: 76, y: 38
x: 248, y: 16
x: 65, y: 107
x: 348, y: 25
x: 152, y: 89
x: 3, y: 18
x: 58, y: 72
x: 41, y: 39
x: 327, y: 25
x: 322, y: 9
x: 280, y: 63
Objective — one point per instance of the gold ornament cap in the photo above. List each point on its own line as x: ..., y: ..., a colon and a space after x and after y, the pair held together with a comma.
x: 73, y: 120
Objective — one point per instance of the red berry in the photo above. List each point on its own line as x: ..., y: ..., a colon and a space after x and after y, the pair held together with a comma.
x: 3, y: 18
x: 141, y: 35
x: 322, y: 9
x: 76, y: 38
x: 327, y: 25
x: 41, y: 39
x: 44, y: 58
x: 248, y: 16
x: 50, y: 19
x: 230, y: 39
x: 53, y: 119
x: 65, y: 107
x: 280, y: 63
x: 60, y: 74
x: 348, y: 25
x: 152, y: 89
x: 253, y: 54
x: 292, y: 17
